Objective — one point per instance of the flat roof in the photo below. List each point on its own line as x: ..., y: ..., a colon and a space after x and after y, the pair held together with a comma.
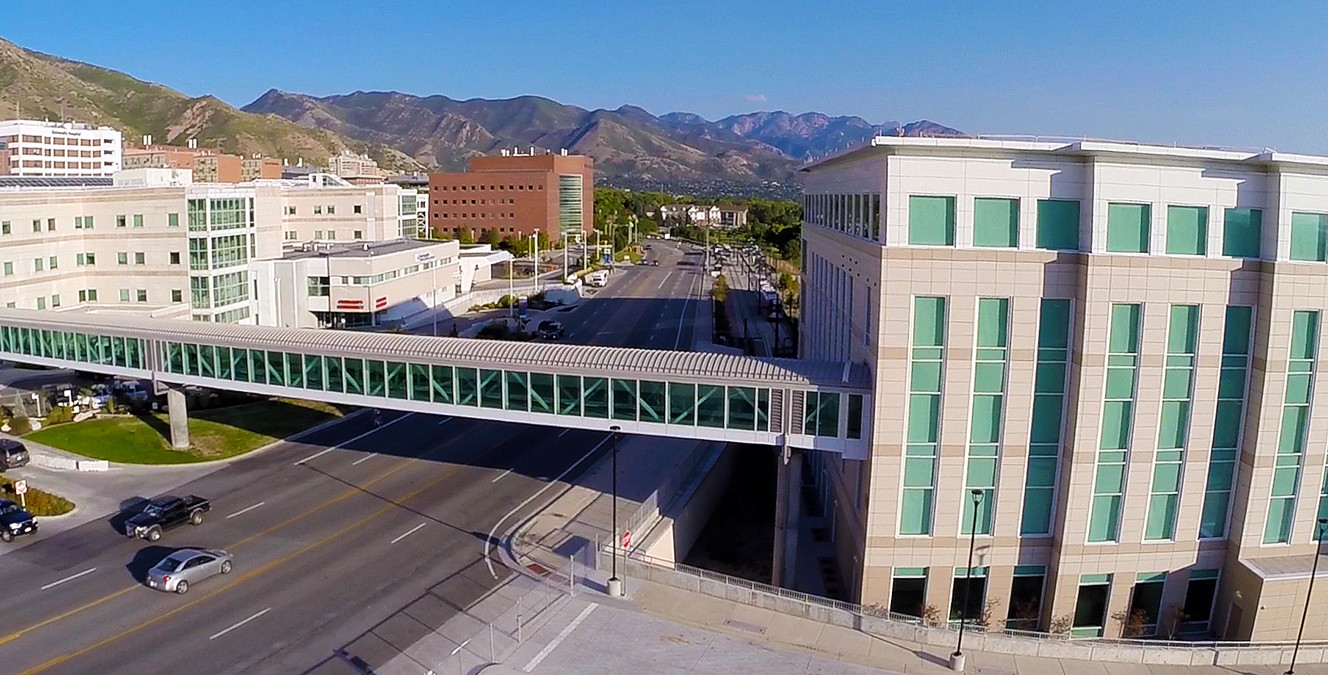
x: 1073, y: 147
x: 1285, y: 566
x: 366, y: 249
x: 55, y: 181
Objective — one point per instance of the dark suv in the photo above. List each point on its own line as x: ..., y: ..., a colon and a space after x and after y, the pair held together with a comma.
x: 550, y: 330
x: 12, y: 454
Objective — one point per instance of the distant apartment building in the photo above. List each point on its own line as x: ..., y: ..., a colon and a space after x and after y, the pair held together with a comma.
x: 157, y: 244
x: 356, y: 169
x: 59, y: 148
x: 515, y: 195
x: 703, y: 216
x: 207, y: 164
x: 259, y: 167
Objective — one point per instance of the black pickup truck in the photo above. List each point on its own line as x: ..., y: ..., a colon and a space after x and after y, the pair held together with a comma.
x: 164, y: 513
x: 14, y: 520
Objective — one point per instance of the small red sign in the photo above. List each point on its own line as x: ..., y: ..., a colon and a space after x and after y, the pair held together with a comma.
x: 20, y: 487
x: 380, y: 303
x: 627, y: 538
x: 350, y: 304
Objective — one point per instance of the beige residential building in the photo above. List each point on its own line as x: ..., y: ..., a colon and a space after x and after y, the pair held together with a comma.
x: 1094, y: 361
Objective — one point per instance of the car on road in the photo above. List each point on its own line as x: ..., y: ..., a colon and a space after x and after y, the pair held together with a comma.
x: 187, y: 566
x: 165, y: 513
x: 550, y: 330
x: 14, y: 521
x: 12, y: 454
x: 653, y: 263
x: 598, y: 278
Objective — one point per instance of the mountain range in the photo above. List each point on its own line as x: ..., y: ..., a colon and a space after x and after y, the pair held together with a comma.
x: 631, y: 147
x: 752, y: 153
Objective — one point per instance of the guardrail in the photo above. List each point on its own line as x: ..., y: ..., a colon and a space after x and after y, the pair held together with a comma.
x: 877, y: 621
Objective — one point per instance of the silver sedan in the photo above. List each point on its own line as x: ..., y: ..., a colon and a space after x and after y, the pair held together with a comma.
x: 187, y: 566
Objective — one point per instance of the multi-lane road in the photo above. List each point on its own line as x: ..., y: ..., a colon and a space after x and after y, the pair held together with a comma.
x: 331, y: 535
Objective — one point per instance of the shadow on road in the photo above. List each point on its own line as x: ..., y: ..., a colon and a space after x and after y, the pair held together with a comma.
x: 146, y: 559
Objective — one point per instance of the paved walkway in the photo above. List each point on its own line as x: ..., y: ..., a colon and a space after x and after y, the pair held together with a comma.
x: 659, y: 628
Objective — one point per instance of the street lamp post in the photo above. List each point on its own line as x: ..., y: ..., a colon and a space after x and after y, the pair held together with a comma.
x: 435, y: 297
x: 1314, y: 571
x: 615, y: 584
x: 534, y: 279
x: 957, y: 658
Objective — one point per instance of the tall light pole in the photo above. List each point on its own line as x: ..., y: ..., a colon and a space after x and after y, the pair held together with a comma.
x: 1314, y: 571
x: 534, y: 278
x: 957, y: 658
x: 615, y: 584
x: 435, y: 296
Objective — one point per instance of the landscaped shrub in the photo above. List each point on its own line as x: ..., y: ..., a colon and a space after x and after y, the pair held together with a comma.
x: 39, y: 502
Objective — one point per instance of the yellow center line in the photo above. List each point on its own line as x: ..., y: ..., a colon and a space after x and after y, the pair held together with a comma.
x: 350, y: 492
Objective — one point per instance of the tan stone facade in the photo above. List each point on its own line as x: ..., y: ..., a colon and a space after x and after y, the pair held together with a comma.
x: 1166, y: 548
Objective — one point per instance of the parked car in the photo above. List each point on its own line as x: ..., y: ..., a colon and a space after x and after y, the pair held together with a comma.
x: 165, y: 513
x: 598, y: 278
x: 12, y: 454
x: 187, y: 566
x: 550, y: 330
x: 14, y: 521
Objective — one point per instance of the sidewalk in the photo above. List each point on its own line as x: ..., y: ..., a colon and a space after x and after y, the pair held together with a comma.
x: 728, y: 631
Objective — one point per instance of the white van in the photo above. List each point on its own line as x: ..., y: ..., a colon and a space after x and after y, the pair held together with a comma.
x: 598, y: 278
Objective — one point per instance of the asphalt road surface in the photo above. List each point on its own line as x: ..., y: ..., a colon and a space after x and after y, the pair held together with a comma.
x: 330, y: 535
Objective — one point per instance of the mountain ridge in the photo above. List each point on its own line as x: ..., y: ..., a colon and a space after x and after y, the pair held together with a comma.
x: 631, y: 146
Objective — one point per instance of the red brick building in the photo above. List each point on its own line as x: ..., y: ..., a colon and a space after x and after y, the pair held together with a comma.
x: 515, y: 195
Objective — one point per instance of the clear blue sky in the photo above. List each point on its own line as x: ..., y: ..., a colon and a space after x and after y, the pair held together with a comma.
x: 1236, y: 73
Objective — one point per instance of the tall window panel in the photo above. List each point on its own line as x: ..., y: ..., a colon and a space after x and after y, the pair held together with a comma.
x: 927, y: 369
x: 1044, y: 446
x: 1117, y: 424
x: 1295, y: 422
x: 1228, y: 421
x: 987, y: 413
x: 1174, y: 422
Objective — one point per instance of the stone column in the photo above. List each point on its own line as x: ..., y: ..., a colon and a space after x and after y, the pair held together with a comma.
x: 788, y: 507
x: 175, y: 405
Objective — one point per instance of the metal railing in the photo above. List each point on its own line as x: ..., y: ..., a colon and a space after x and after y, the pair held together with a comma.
x: 653, y: 505
x: 810, y: 602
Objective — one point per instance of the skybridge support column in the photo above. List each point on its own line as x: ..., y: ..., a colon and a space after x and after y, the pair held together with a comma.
x: 179, y: 412
x: 788, y: 507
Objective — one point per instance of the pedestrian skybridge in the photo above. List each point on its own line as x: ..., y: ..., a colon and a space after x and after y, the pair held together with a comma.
x: 801, y: 404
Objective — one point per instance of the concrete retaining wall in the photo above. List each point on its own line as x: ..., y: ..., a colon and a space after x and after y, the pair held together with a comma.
x: 67, y: 463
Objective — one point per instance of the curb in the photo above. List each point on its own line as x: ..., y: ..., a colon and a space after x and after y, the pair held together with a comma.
x: 61, y: 463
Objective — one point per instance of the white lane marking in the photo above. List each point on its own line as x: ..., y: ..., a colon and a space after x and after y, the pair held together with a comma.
x: 245, y: 510
x: 445, y: 420
x: 407, y: 533
x: 340, y: 445
x: 501, y: 476
x: 683, y: 316
x: 237, y: 625
x: 488, y: 541
x: 564, y: 433
x: 71, y: 577
x: 664, y: 281
x: 364, y: 459
x: 548, y: 649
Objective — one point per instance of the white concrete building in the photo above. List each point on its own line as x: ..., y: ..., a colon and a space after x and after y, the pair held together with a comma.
x: 37, y: 148
x: 155, y: 243
x: 1113, y: 345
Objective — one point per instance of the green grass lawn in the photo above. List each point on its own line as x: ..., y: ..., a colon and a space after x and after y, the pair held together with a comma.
x: 213, y: 434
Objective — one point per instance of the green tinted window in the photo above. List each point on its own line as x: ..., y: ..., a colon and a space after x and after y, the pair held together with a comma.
x: 931, y: 221
x: 1058, y: 224
x: 996, y: 222
x: 928, y: 322
x: 1242, y: 232
x: 1127, y: 228
x: 541, y: 393
x: 1309, y: 235
x: 1187, y: 230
